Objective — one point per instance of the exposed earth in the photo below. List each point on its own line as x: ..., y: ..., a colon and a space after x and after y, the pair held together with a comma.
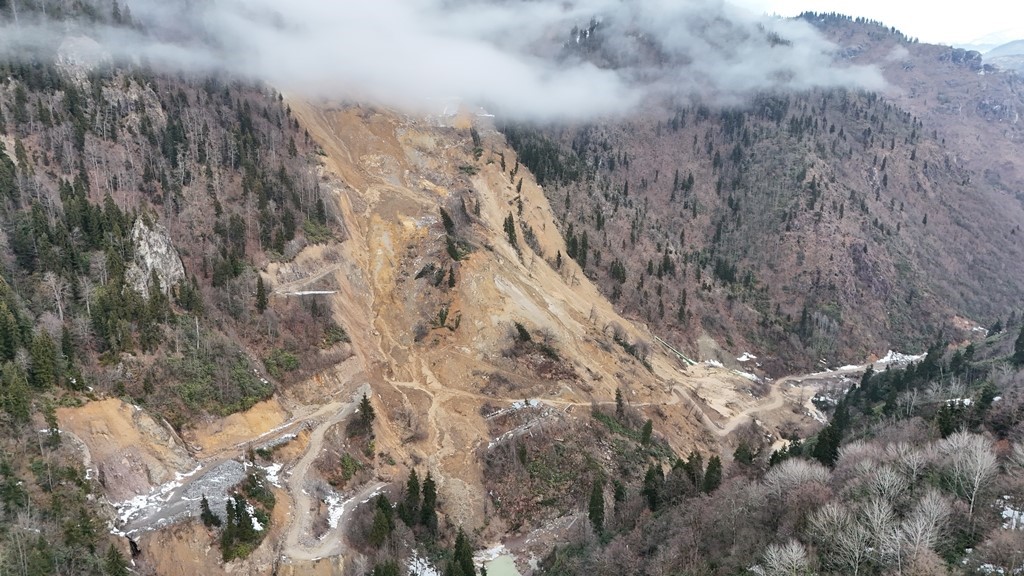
x: 429, y: 358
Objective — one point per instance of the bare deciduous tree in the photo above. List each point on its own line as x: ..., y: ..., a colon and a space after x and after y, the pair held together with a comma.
x: 98, y: 266
x: 789, y: 559
x: 887, y: 483
x: 57, y: 288
x: 911, y: 461
x: 879, y: 520
x: 922, y: 527
x: 844, y: 541
x: 971, y: 465
x: 792, y: 473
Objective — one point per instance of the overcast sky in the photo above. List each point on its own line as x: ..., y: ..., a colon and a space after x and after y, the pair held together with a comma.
x: 937, y: 22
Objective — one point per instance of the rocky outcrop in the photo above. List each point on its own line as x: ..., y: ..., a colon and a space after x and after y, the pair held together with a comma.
x: 154, y: 252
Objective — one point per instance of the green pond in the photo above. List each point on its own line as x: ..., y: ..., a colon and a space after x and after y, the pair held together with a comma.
x: 502, y: 566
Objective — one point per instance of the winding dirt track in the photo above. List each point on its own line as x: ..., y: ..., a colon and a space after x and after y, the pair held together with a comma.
x: 297, y: 544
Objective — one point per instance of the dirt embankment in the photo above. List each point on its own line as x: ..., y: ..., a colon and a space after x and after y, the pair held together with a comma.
x: 128, y: 450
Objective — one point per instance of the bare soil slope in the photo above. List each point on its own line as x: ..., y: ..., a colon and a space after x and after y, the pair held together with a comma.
x: 431, y: 316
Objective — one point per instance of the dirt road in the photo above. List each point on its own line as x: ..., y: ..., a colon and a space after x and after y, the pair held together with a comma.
x: 298, y: 543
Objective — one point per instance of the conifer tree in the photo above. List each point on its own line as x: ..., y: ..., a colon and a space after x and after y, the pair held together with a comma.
x: 428, y: 511
x: 229, y: 535
x: 463, y: 555
x: 826, y: 449
x: 596, y: 507
x: 209, y: 518
x: 43, y: 355
x: 261, y: 295
x: 645, y: 434
x: 652, y: 486
x: 713, y: 475
x: 410, y: 509
x: 379, y: 530
x: 510, y: 230
x: 384, y: 505
x: 10, y: 334
x: 366, y: 413
x: 53, y: 430
x: 694, y: 467
x: 14, y: 394
x: 115, y: 564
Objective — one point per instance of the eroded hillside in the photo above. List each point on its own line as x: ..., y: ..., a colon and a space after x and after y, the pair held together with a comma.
x: 468, y: 344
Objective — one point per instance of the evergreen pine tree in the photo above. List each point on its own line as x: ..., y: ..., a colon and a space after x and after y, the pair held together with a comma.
x: 713, y: 475
x: 261, y: 295
x: 645, y: 434
x: 366, y: 413
x: 510, y: 230
x: 209, y: 518
x: 244, y: 528
x: 581, y: 256
x: 743, y: 454
x: 652, y: 486
x: 695, y: 469
x: 43, y: 356
x: 446, y: 220
x: 10, y: 335
x: 15, y: 397
x: 115, y: 563
x: 463, y: 555
x: 596, y: 507
x: 384, y: 505
x: 620, y: 406
x: 67, y: 345
x: 53, y: 430
x: 229, y: 535
x: 410, y: 509
x: 826, y: 449
x: 428, y: 510
x: 379, y: 530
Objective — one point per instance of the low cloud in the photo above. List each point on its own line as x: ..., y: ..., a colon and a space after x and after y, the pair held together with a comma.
x: 520, y: 58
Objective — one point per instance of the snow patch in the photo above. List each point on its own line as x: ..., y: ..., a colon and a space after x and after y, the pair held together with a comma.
x: 335, y: 510
x: 747, y: 375
x: 714, y: 363
x: 818, y: 416
x: 252, y: 514
x: 272, y: 473
x: 746, y: 357
x: 134, y: 507
x: 490, y: 553
x: 1013, y: 518
x: 372, y: 495
x: 420, y: 566
x: 892, y: 357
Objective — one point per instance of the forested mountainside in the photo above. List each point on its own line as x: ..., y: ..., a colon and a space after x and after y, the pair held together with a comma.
x: 826, y: 224
x: 917, y: 473
x: 972, y: 107
x: 244, y: 333
x: 134, y: 210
